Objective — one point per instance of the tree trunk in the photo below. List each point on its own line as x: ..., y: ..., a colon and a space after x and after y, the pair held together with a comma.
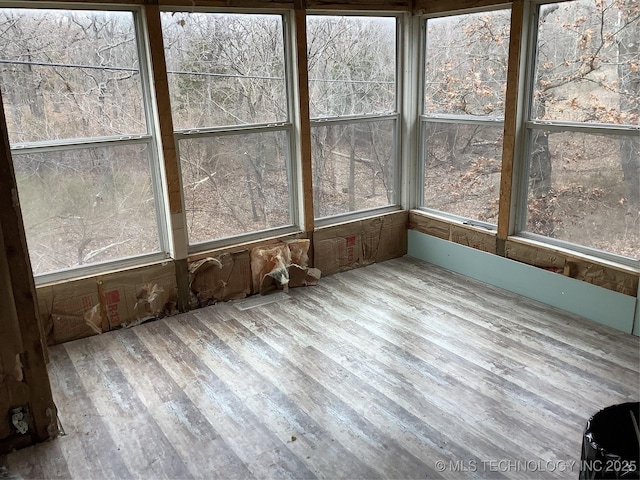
x: 541, y: 208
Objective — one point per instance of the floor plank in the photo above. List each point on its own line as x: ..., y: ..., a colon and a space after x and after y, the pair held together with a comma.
x: 396, y: 370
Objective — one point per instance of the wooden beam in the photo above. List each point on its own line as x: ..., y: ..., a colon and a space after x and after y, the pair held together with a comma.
x: 253, y: 4
x: 511, y: 119
x: 304, y: 122
x: 433, y: 7
x: 155, y: 45
x: 362, y: 5
x: 163, y: 102
x: 33, y: 353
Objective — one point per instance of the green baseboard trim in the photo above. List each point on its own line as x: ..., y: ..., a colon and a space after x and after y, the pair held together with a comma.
x: 594, y: 303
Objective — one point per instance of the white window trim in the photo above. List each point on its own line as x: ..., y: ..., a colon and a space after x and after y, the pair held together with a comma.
x: 425, y: 118
x: 147, y: 138
x: 288, y: 125
x: 523, y: 148
x: 399, y: 183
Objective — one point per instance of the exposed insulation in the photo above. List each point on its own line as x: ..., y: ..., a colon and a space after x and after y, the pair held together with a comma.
x: 224, y: 277
x: 282, y: 266
x: 85, y: 307
x: 346, y: 246
x: 474, y: 238
x: 528, y: 254
x: 430, y: 226
x: 270, y: 267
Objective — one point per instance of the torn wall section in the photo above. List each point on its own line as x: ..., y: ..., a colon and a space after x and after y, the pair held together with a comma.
x: 282, y: 265
x: 85, y: 307
x: 266, y: 267
x: 218, y: 278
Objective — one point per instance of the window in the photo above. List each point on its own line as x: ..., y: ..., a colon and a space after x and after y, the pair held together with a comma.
x: 583, y: 144
x: 230, y: 106
x: 354, y: 114
x: 75, y: 99
x: 465, y: 78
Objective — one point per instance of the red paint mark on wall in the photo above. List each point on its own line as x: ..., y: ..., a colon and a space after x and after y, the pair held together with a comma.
x: 87, y: 304
x: 113, y: 300
x: 351, y: 244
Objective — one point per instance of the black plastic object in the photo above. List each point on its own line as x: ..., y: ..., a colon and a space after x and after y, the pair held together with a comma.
x: 611, y: 444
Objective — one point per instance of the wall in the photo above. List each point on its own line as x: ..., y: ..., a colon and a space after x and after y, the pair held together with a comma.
x: 13, y: 391
x: 24, y: 383
x: 593, y: 302
x: 79, y: 308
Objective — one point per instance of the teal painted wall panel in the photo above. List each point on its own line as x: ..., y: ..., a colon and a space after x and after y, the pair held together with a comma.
x: 636, y: 322
x: 595, y: 303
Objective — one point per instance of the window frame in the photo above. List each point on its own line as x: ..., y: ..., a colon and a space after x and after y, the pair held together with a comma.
x: 396, y: 116
x: 443, y: 118
x: 290, y: 126
x: 150, y: 139
x: 528, y: 126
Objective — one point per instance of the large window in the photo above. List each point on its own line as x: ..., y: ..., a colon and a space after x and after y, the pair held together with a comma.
x: 229, y: 100
x: 76, y: 101
x: 583, y: 142
x: 464, y: 86
x: 354, y: 114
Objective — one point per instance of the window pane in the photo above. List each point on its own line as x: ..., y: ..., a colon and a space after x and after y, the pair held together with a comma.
x: 466, y: 64
x: 352, y: 65
x: 225, y: 69
x: 462, y: 169
x: 588, y: 65
x: 353, y: 167
x: 69, y: 74
x: 579, y: 190
x: 235, y: 184
x: 87, y: 205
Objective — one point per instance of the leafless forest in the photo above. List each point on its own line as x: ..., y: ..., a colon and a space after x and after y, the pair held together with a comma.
x: 74, y: 83
x: 583, y: 186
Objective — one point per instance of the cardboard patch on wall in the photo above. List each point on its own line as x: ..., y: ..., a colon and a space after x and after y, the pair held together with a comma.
x: 430, y: 226
x: 470, y: 237
x: 85, y: 307
x: 225, y: 277
x: 537, y: 257
x: 139, y: 294
x: 70, y: 310
x: 346, y: 246
x: 337, y: 254
x: 603, y: 276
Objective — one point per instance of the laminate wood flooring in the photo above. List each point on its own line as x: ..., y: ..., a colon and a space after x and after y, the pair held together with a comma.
x: 396, y: 370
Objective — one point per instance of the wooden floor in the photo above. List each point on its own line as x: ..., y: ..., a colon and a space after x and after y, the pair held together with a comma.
x: 397, y: 370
